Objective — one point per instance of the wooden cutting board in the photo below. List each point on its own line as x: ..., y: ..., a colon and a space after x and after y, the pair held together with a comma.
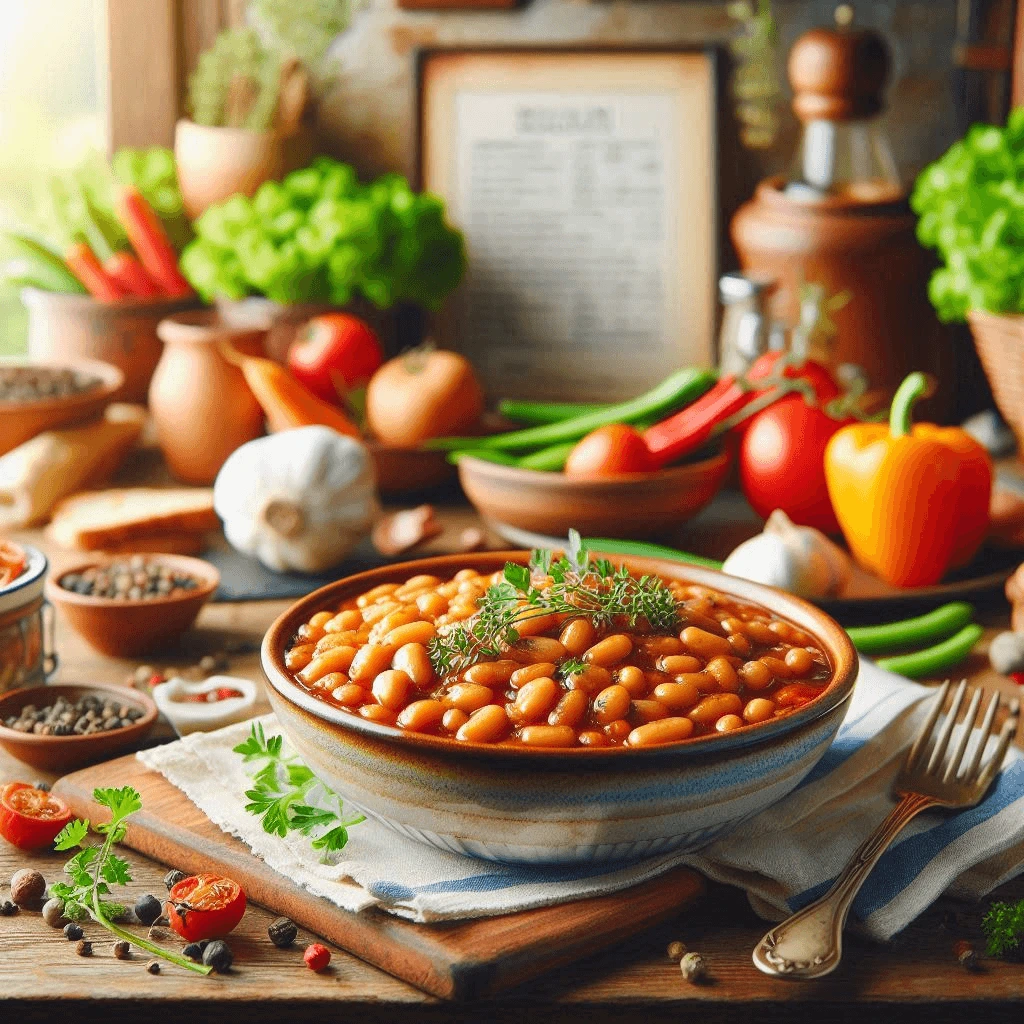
x: 454, y: 960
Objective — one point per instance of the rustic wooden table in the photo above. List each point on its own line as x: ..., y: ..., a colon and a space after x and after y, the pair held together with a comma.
x: 914, y: 978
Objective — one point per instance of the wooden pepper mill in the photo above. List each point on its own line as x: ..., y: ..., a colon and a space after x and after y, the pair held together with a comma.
x: 842, y: 220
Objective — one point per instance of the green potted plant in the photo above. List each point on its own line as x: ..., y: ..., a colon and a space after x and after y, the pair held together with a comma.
x: 251, y: 98
x: 971, y: 208
x: 321, y: 239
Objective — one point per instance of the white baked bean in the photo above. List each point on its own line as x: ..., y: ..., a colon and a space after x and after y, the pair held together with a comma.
x: 421, y: 715
x: 577, y: 636
x: 469, y: 697
x: 548, y: 736
x: 413, y: 660
x: 484, y: 726
x: 611, y: 704
x: 664, y: 730
x: 701, y: 642
x: 534, y: 700
x: 610, y: 650
x: 391, y: 689
x: 760, y: 709
x: 712, y: 707
x: 570, y: 709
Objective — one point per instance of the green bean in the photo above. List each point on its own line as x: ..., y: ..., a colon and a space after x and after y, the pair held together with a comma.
x: 643, y: 549
x: 550, y: 459
x: 678, y: 389
x: 924, y: 629
x: 482, y: 453
x: 539, y: 413
x: 933, y: 661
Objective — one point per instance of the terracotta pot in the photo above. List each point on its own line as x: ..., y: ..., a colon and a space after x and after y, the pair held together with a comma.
x: 868, y: 250
x: 201, y: 405
x: 64, y: 328
x: 999, y: 340
x: 215, y: 163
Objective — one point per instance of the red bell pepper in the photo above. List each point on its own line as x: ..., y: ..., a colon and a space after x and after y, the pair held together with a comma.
x: 688, y: 429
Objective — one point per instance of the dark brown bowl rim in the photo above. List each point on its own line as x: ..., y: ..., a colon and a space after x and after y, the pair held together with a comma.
x: 668, y: 476
x: 125, y: 693
x: 826, y: 631
x: 207, y: 573
x: 111, y: 378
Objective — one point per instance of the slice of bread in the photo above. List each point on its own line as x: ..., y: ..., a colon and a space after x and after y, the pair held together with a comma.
x: 107, y: 520
x: 159, y: 544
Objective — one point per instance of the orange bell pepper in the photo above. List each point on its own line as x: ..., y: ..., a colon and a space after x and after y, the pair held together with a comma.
x: 912, y: 501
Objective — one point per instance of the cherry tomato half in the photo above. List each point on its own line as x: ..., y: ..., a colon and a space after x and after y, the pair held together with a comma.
x: 606, y: 451
x: 205, y: 906
x: 31, y: 818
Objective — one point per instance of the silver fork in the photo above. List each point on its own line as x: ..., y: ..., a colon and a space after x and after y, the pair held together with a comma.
x: 810, y: 943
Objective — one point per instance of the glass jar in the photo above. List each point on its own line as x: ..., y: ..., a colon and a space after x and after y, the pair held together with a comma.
x: 27, y: 657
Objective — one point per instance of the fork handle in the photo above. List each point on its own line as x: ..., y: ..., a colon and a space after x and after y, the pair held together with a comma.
x: 810, y: 943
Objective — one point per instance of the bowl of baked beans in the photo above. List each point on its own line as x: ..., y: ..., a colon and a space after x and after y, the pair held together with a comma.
x: 551, y: 708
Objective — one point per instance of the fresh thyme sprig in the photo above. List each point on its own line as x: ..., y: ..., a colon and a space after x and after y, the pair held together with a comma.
x: 281, y: 793
x: 94, y: 869
x: 579, y: 586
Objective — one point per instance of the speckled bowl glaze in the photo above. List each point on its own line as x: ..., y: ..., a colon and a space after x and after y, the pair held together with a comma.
x: 535, y: 805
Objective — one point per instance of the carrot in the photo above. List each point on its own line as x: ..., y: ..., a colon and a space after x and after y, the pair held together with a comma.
x: 150, y: 241
x: 286, y: 402
x: 82, y: 262
x: 131, y: 275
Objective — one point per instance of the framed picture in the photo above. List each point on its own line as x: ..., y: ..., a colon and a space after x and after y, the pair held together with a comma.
x: 585, y: 184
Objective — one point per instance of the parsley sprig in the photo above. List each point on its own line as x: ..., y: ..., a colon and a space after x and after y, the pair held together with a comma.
x: 95, y: 868
x: 579, y: 586
x: 281, y: 794
x: 1003, y: 925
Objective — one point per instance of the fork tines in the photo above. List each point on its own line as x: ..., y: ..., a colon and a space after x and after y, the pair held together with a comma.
x: 948, y: 769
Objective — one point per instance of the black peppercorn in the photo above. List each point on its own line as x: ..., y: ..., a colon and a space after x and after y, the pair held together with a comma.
x: 965, y: 955
x: 282, y: 932
x: 218, y: 956
x: 83, y: 947
x: 173, y: 877
x: 153, y: 967
x: 148, y: 908
x: 122, y: 949
x: 8, y: 908
x: 73, y: 932
x: 193, y: 951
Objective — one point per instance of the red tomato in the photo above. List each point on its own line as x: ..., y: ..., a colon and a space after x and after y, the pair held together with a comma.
x: 205, y: 907
x: 609, y: 450
x: 334, y: 354
x: 31, y: 818
x: 782, y: 462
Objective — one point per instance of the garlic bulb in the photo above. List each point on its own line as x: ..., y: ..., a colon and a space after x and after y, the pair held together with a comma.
x: 798, y: 559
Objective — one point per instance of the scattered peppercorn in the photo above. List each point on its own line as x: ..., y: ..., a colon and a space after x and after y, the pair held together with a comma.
x: 218, y: 955
x: 8, y: 908
x: 162, y: 921
x: 129, y: 579
x: 158, y: 933
x: 28, y: 888
x: 153, y: 967
x: 53, y: 913
x: 83, y: 947
x: 122, y: 949
x: 282, y: 932
x: 694, y: 967
x: 148, y: 908
x: 965, y: 955
x: 676, y: 950
x: 173, y: 877
x: 193, y: 951
x: 72, y: 931
x: 317, y: 956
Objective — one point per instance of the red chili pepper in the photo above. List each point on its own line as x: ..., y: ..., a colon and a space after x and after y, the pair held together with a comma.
x: 317, y: 957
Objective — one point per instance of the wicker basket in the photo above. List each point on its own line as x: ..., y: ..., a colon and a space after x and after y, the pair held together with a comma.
x: 999, y: 340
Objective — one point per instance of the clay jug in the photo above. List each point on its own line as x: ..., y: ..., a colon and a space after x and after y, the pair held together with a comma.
x: 202, y: 408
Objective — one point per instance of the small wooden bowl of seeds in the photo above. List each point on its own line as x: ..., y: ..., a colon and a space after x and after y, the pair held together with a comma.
x: 61, y: 727
x: 132, y: 604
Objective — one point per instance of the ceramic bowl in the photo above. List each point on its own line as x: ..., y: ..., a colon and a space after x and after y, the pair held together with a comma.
x: 631, y: 505
x: 20, y: 421
x: 534, y: 805
x: 126, y: 628
x: 408, y: 470
x: 65, y: 753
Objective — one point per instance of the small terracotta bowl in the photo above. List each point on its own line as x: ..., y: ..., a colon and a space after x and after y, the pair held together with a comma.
x: 65, y: 753
x: 409, y: 470
x: 20, y: 421
x: 126, y: 628
x: 631, y: 505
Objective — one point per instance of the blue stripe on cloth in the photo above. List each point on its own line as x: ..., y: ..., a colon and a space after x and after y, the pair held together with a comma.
x: 848, y: 741
x: 905, y: 861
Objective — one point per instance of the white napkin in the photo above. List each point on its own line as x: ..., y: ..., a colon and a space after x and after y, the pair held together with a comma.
x: 783, y: 858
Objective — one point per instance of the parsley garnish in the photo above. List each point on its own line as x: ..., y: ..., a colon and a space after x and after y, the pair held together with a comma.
x: 94, y: 869
x: 1003, y: 926
x: 579, y: 586
x: 280, y: 793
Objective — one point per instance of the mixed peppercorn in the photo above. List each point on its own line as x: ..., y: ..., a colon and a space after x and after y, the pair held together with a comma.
x: 129, y: 579
x: 82, y: 717
x: 32, y: 383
